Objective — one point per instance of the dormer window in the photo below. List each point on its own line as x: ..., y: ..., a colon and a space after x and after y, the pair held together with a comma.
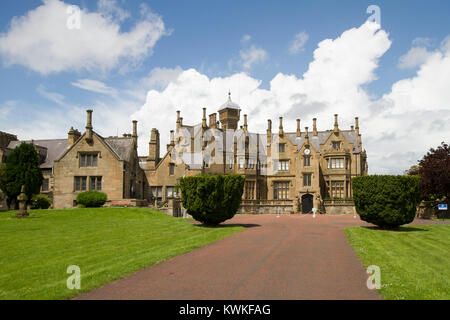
x: 282, y: 147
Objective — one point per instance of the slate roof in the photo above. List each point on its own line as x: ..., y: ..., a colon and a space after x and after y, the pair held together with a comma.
x: 50, y: 150
x: 122, y: 146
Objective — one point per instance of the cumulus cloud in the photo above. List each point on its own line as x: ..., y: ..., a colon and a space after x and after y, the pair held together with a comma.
x: 40, y: 39
x: 297, y: 45
x: 414, y: 58
x: 332, y: 84
x: 252, y: 55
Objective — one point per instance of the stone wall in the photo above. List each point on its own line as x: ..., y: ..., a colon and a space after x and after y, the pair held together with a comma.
x: 109, y: 167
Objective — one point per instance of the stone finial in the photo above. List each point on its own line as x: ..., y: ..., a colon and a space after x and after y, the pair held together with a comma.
x: 22, y: 199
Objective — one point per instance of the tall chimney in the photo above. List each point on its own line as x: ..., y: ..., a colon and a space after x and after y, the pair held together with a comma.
x: 315, y: 127
x: 204, y: 118
x: 153, y: 153
x: 181, y: 121
x: 245, y: 123
x: 135, y: 135
x: 89, y: 125
x: 357, y: 125
x: 281, y: 127
x: 178, y: 120
x: 269, y: 135
x: 299, y: 132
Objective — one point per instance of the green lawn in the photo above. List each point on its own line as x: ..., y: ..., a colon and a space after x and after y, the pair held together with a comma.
x: 106, y: 243
x: 414, y: 261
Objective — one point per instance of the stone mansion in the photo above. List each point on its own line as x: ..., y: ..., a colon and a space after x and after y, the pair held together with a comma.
x: 286, y: 172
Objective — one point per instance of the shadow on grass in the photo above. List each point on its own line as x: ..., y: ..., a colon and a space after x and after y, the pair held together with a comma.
x: 245, y: 225
x: 399, y: 229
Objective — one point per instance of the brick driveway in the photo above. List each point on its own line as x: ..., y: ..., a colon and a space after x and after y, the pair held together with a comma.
x: 285, y: 257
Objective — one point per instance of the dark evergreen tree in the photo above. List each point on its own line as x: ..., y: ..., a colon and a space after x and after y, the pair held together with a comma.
x: 21, y: 168
x: 212, y: 199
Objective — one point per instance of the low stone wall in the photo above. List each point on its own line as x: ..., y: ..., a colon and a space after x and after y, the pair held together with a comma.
x: 340, y: 209
x: 126, y: 203
x: 429, y: 210
x: 265, y: 209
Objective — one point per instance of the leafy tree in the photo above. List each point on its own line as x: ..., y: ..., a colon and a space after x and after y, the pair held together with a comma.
x: 212, y: 199
x: 413, y: 171
x: 386, y: 201
x: 21, y: 168
x: 435, y: 173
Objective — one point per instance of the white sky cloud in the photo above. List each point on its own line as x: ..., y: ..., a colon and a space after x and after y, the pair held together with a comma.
x: 297, y: 45
x: 41, y: 41
x: 94, y: 86
x: 246, y: 38
x: 414, y: 58
x: 52, y: 96
x: 252, y: 55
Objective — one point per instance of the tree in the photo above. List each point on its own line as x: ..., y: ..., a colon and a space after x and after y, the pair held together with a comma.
x: 386, y: 201
x: 212, y: 199
x: 435, y: 173
x: 21, y: 168
x: 412, y: 171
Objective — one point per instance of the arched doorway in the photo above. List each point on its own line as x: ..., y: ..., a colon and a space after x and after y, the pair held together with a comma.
x: 307, y: 203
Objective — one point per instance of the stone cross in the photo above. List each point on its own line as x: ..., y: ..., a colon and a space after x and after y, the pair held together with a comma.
x: 22, y: 198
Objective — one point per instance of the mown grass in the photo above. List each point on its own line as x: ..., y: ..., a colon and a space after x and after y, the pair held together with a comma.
x: 414, y: 261
x: 106, y: 243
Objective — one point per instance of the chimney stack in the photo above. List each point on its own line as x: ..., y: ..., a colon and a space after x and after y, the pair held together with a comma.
x: 135, y: 135
x: 153, y: 154
x: 315, y: 127
x: 89, y: 126
x: 72, y: 136
x: 269, y: 135
x: 245, y: 123
x: 204, y: 118
x: 178, y: 120
x: 357, y: 125
x: 213, y: 121
x: 299, y: 132
x: 281, y: 127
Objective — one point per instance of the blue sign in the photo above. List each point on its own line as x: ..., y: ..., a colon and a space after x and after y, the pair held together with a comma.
x: 442, y: 206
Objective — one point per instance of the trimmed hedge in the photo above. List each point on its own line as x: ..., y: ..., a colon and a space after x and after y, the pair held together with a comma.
x: 385, y: 200
x: 212, y: 199
x: 40, y: 201
x: 91, y: 199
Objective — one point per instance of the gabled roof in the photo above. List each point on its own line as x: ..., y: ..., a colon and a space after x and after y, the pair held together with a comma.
x: 123, y: 146
x: 55, y: 149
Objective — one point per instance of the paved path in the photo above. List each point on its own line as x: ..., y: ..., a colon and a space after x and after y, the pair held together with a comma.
x: 286, y: 257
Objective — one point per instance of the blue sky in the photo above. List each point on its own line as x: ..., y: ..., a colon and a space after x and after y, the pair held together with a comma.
x: 209, y: 37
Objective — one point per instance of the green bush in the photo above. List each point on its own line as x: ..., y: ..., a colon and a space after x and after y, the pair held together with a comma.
x: 386, y: 201
x: 91, y: 199
x: 212, y: 199
x: 40, y: 201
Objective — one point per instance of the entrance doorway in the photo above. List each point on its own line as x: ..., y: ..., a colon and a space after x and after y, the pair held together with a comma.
x: 307, y: 203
